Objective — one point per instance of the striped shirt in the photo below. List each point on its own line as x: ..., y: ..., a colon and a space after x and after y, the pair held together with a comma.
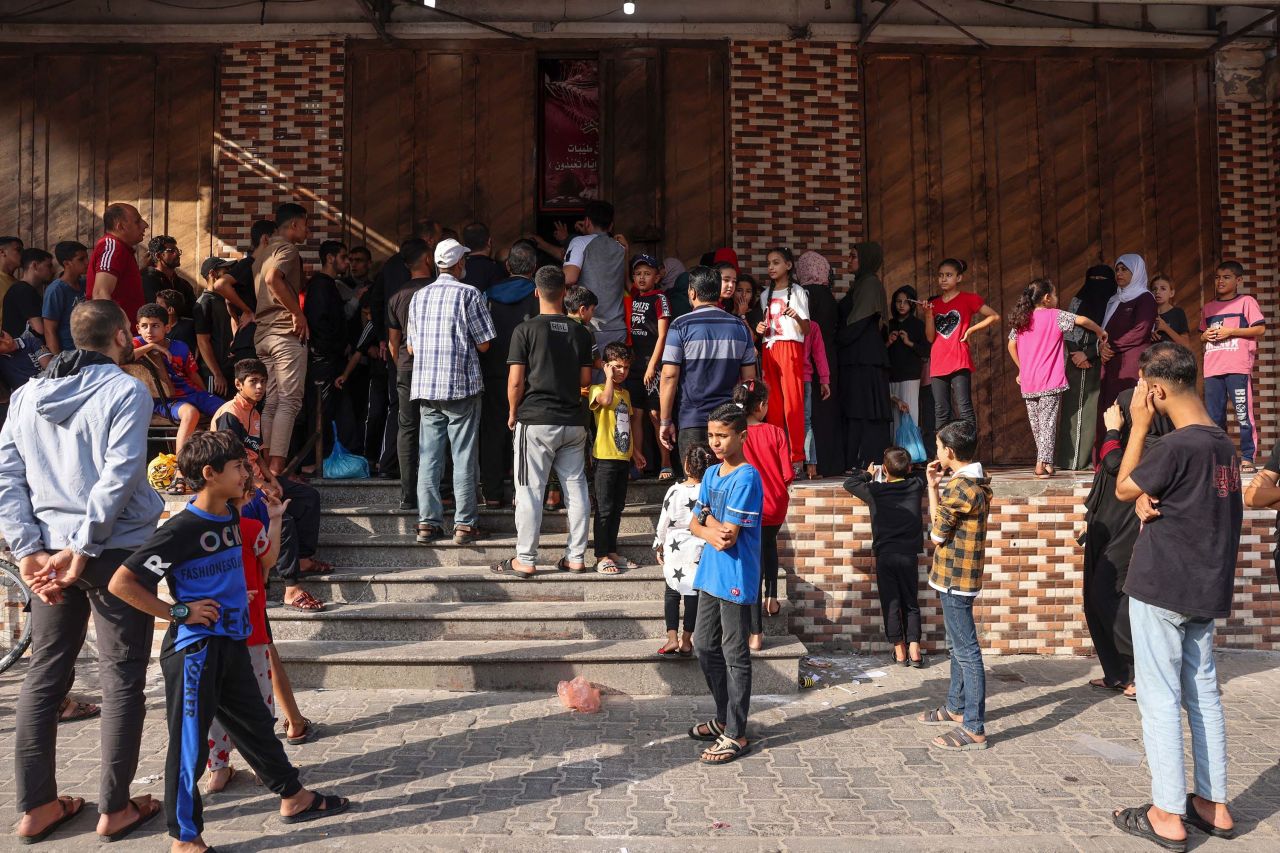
x: 710, y: 346
x: 112, y: 255
x: 447, y: 321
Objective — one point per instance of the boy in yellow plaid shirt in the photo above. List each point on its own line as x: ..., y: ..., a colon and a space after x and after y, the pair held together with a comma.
x: 958, y: 509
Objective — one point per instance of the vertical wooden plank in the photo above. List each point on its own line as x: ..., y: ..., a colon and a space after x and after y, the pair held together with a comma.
x: 694, y: 189
x: 1125, y: 141
x: 380, y: 162
x: 128, y: 142
x: 445, y: 134
x: 633, y: 163
x: 506, y: 101
x: 16, y: 70
x: 185, y: 86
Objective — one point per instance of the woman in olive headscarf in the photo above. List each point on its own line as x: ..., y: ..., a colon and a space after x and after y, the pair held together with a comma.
x: 863, y: 360
x: 1074, y: 448
x: 824, y: 414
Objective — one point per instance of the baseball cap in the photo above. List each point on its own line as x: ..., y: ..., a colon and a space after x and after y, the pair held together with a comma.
x: 211, y: 264
x: 449, y: 252
x: 642, y: 258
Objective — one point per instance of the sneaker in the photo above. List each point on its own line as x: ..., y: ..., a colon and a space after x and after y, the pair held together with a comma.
x: 464, y: 535
x: 428, y: 533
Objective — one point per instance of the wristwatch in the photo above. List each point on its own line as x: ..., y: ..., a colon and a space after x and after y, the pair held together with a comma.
x: 179, y: 613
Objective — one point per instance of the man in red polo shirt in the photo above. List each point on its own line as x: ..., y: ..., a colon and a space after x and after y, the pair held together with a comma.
x: 113, y: 270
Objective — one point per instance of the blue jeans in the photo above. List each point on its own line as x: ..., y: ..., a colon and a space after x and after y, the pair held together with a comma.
x: 1173, y: 662
x: 448, y: 424
x: 1236, y: 390
x: 968, y: 693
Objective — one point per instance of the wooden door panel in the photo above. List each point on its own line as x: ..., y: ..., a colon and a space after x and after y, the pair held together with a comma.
x: 693, y: 192
x: 506, y: 98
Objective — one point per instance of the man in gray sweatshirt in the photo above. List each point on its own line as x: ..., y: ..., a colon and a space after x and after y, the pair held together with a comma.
x: 74, y: 503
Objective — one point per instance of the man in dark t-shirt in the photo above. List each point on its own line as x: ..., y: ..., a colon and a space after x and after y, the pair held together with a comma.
x: 1180, y: 580
x: 550, y: 359
x: 417, y: 254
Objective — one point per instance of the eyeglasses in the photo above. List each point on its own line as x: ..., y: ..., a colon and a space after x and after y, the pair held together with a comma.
x: 172, y: 250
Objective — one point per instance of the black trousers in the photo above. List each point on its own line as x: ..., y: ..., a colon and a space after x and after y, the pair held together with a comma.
x: 124, y: 648
x: 409, y: 422
x: 214, y: 677
x: 898, y: 580
x: 1106, y: 611
x: 720, y: 641
x: 768, y: 574
x: 301, y: 539
x: 377, y: 424
x: 958, y: 385
x: 612, y: 476
x: 671, y: 610
x: 496, y: 441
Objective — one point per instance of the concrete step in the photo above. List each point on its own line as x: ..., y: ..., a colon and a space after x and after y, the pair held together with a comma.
x: 617, y: 666
x: 523, y: 620
x: 639, y: 520
x: 375, y: 492
x: 403, y: 551
x: 449, y: 584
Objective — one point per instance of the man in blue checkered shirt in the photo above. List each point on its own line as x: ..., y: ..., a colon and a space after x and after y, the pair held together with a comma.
x: 449, y: 326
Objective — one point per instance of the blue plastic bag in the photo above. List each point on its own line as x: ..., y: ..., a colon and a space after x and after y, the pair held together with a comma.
x: 908, y: 438
x: 342, y: 464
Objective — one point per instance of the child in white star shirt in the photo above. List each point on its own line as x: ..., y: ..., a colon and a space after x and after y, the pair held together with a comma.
x: 678, y: 550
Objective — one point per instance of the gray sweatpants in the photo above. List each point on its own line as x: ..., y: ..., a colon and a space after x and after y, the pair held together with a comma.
x: 124, y: 648
x: 538, y: 450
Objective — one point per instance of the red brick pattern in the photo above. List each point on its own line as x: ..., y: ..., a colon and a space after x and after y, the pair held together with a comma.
x: 1031, y: 600
x: 279, y: 136
x: 1249, y: 198
x: 795, y: 126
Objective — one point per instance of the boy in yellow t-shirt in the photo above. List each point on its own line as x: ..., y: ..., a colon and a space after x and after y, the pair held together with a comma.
x: 615, y: 449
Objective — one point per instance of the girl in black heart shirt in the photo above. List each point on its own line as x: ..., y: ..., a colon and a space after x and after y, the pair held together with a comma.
x: 948, y: 326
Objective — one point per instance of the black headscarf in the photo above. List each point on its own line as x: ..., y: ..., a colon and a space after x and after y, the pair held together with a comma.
x: 1099, y: 286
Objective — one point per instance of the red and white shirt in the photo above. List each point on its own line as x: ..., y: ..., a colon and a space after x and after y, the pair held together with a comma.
x: 112, y: 255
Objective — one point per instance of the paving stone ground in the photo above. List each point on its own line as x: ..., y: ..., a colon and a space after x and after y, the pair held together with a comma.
x: 839, y: 767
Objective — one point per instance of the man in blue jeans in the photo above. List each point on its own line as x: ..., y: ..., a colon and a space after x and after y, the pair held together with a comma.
x: 1180, y: 580
x: 449, y: 326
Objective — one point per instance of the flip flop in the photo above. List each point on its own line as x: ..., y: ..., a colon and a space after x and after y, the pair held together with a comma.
x: 1193, y: 817
x: 666, y: 474
x: 712, y: 726
x: 669, y: 654
x: 305, y: 603
x: 959, y: 740
x: 308, y: 733
x: 1101, y: 684
x: 505, y: 567
x: 725, y: 746
x: 629, y: 565
x: 322, y: 806
x: 69, y: 811
x: 206, y: 791
x: 936, y: 717
x: 563, y: 565
x: 1135, y: 822
x: 604, y: 566
x: 143, y: 817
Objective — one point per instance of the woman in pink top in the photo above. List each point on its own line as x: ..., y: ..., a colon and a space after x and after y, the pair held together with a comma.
x: 1036, y: 347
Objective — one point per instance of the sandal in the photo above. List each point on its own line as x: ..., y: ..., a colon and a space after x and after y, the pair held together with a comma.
x: 1134, y: 821
x: 306, y: 603
x: 726, y: 751
x: 563, y: 565
x: 143, y: 817
x: 1248, y: 468
x: 937, y: 717
x: 607, y: 567
x: 178, y: 487
x: 629, y: 564
x: 322, y: 806
x: 83, y: 711
x: 1193, y: 817
x: 318, y: 567
x: 308, y: 733
x: 507, y: 567
x: 714, y: 731
x: 1103, y: 684
x: 71, y: 806
x: 958, y: 740
x: 665, y: 474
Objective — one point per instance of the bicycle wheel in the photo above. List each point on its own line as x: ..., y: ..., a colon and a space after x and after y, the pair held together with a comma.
x: 15, y: 615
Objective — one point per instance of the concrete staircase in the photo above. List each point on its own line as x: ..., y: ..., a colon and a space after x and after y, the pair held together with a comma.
x: 403, y: 615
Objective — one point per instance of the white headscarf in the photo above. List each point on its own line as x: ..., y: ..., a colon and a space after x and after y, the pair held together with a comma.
x: 1136, y: 287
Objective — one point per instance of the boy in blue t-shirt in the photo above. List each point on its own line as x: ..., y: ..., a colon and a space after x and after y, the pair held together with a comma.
x: 204, y: 658
x: 727, y: 518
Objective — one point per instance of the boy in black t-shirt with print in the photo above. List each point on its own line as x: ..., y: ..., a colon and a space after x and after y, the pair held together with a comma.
x: 650, y: 319
x: 1181, y: 578
x: 206, y: 665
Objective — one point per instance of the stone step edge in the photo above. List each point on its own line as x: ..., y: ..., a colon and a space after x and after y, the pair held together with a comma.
x: 631, y: 509
x: 482, y: 611
x: 487, y: 652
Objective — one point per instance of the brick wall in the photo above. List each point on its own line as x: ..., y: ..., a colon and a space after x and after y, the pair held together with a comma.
x: 1249, y: 193
x: 279, y: 136
x: 795, y: 125
x: 1031, y: 602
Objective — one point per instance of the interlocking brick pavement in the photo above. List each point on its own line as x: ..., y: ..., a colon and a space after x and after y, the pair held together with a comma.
x: 839, y: 767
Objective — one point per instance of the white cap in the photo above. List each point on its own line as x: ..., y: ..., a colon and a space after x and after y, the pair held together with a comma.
x: 449, y: 252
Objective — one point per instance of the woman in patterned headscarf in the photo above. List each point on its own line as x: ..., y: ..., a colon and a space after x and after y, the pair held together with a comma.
x: 824, y: 447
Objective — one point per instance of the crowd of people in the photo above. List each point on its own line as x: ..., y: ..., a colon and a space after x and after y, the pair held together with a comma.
x: 564, y: 364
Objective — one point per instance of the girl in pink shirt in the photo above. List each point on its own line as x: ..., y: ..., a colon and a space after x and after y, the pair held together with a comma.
x: 1036, y: 347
